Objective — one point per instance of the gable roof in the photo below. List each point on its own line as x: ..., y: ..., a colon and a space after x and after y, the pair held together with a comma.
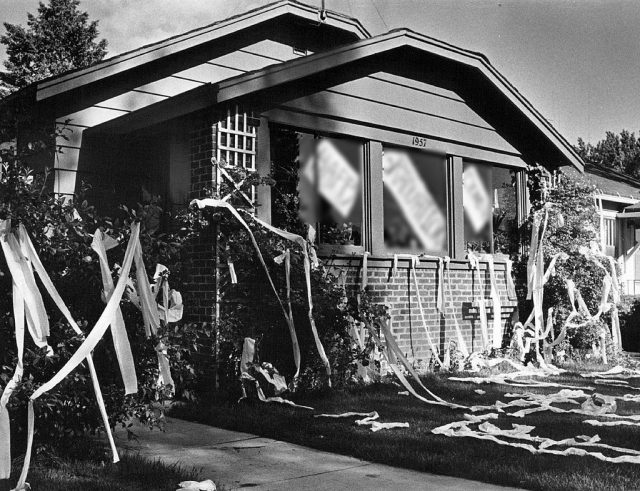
x: 611, y: 184
x: 174, y: 45
x: 490, y: 92
x: 308, y: 66
x: 513, y: 109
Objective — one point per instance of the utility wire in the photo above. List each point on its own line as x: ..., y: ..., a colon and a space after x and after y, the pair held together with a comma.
x: 379, y: 15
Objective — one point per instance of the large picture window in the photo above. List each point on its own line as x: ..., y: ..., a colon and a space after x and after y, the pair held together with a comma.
x: 490, y: 205
x: 327, y: 173
x: 414, y: 201
x: 387, y: 198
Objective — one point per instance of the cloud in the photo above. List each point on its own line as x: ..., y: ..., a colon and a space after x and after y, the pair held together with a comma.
x: 129, y: 24
x: 582, y: 79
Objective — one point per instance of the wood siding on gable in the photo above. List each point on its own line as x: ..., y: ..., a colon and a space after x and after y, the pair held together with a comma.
x: 251, y: 57
x: 407, y: 106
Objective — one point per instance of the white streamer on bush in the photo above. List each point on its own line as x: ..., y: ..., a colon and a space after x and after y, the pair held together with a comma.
x: 83, y: 352
x: 210, y: 202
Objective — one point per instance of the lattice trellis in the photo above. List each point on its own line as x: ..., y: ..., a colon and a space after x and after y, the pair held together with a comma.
x: 236, y: 143
x: 236, y: 147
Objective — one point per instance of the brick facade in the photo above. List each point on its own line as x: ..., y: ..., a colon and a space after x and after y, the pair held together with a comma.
x: 397, y: 292
x: 200, y: 291
x: 202, y: 140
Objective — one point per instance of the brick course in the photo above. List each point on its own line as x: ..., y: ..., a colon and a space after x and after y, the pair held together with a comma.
x: 398, y: 293
x: 200, y: 291
x: 202, y: 142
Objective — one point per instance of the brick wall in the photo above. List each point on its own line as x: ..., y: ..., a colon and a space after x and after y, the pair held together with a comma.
x: 200, y: 291
x: 202, y: 140
x: 398, y: 293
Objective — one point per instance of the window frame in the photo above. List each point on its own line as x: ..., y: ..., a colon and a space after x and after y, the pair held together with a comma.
x: 372, y: 189
x: 522, y: 201
x: 231, y: 143
x: 608, y: 229
x: 383, y: 249
x: 345, y: 249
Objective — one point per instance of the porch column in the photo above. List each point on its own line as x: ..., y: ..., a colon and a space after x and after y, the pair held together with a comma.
x: 200, y: 290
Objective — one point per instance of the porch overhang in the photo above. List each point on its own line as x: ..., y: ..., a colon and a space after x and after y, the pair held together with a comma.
x: 623, y: 215
x: 178, y: 45
x: 631, y: 211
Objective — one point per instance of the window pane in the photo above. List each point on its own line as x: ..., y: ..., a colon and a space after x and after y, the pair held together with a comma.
x: 284, y: 195
x: 609, y: 233
x: 490, y: 208
x: 319, y: 182
x: 414, y: 201
x: 330, y: 188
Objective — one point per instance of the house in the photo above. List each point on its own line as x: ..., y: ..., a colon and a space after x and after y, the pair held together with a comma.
x: 411, y: 145
x: 617, y: 196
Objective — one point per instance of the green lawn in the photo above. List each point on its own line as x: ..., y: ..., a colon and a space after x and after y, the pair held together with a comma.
x: 417, y: 448
x: 132, y: 473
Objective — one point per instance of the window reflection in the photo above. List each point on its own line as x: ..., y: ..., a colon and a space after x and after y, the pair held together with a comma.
x: 490, y: 208
x: 330, y: 188
x: 414, y: 201
x: 319, y: 182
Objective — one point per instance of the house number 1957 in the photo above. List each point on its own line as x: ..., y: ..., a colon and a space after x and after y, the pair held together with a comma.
x: 419, y: 142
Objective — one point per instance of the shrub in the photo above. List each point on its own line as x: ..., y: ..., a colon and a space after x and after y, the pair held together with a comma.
x: 61, y: 232
x: 572, y: 227
x: 250, y: 308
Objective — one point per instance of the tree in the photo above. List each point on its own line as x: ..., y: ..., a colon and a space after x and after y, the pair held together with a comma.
x: 620, y: 152
x: 59, y: 38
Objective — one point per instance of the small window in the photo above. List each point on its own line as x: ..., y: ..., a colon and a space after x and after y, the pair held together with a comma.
x: 490, y: 208
x: 609, y: 231
x: 414, y: 201
x: 609, y: 236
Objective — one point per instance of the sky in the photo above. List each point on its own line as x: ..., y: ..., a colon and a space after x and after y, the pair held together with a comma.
x: 578, y: 62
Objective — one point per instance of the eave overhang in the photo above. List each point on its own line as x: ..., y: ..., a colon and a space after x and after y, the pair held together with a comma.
x: 73, y: 80
x: 266, y: 78
x: 530, y: 121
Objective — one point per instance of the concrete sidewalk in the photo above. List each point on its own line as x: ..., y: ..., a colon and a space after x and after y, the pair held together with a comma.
x: 241, y: 460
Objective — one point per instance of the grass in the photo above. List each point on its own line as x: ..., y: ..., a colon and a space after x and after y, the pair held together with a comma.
x: 89, y: 471
x: 417, y: 448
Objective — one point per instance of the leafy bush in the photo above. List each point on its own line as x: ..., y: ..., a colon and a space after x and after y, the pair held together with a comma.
x: 61, y: 232
x: 572, y: 227
x: 250, y: 309
x: 583, y: 337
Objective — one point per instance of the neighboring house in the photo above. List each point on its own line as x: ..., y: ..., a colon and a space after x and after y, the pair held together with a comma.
x: 617, y: 197
x: 392, y: 124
